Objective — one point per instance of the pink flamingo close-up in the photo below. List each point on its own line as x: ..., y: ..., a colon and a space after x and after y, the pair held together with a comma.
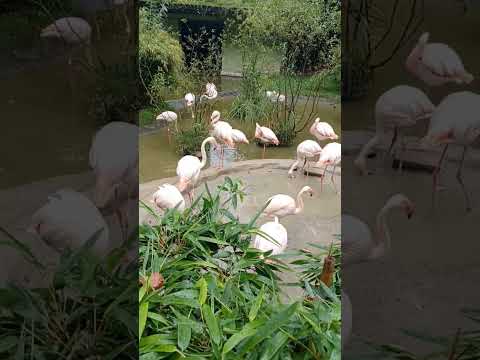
x: 168, y: 117
x: 282, y: 205
x: 455, y: 121
x: 266, y: 136
x: 307, y: 151
x: 358, y: 243
x: 273, y: 237
x: 114, y: 160
x: 331, y: 156
x: 398, y: 108
x: 168, y: 197
x: 436, y: 64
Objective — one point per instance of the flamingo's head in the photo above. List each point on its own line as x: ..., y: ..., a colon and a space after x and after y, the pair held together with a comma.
x: 415, y: 57
x: 402, y: 202
x: 307, y: 190
x: 215, y: 116
x: 50, y: 31
x: 189, y: 99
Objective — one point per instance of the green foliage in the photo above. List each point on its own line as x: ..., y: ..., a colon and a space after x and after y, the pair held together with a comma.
x: 220, y: 298
x: 188, y: 140
x: 88, y: 311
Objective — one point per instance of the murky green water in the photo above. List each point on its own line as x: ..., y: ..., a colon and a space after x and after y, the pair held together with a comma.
x: 158, y: 158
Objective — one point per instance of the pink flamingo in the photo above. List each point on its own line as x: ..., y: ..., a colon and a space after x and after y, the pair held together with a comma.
x: 239, y: 137
x: 223, y: 133
x: 188, y: 169
x: 454, y: 121
x: 307, y: 151
x: 210, y: 92
x: 168, y: 117
x: 266, y: 136
x: 358, y: 244
x: 190, y: 102
x: 168, y: 197
x: 331, y: 156
x: 436, y: 63
x: 114, y: 160
x: 282, y: 205
x: 272, y: 237
x: 322, y: 130
x: 68, y: 220
x: 400, y: 107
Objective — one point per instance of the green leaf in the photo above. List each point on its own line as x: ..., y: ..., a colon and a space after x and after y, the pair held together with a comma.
x: 256, y: 305
x: 202, y: 285
x: 184, y: 333
x: 142, y: 317
x: 247, y: 331
x: 158, y: 317
x: 274, y: 345
x: 212, y: 324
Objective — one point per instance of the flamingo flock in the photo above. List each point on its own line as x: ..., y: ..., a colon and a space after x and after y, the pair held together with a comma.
x: 453, y: 121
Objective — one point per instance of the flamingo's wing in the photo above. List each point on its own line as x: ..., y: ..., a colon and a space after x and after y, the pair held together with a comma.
x: 279, y: 202
x: 188, y: 167
x: 269, y: 134
x: 442, y: 60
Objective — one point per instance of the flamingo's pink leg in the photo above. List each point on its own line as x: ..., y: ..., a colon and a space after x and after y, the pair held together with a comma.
x: 323, y: 177
x: 460, y: 180
x: 264, y: 146
x: 435, y: 175
x: 333, y: 178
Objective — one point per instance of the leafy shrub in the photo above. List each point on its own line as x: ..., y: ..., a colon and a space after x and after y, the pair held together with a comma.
x: 188, y: 141
x: 218, y: 297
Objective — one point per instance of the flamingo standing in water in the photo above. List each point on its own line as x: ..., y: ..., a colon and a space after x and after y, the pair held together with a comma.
x: 114, y: 160
x: 168, y: 117
x: 68, y: 220
x: 188, y: 169
x: 210, y: 93
x: 455, y: 121
x: 239, y: 137
x: 274, y: 238
x: 358, y: 243
x: 323, y: 130
x: 266, y: 136
x: 190, y: 102
x: 223, y: 133
x: 168, y: 197
x: 436, y: 64
x: 282, y: 205
x: 307, y: 151
x: 331, y: 156
x: 400, y: 107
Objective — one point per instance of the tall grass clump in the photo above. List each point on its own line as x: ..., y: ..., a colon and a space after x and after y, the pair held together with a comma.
x: 87, y: 311
x: 206, y: 294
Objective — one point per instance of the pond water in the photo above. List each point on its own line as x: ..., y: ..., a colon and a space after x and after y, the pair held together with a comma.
x: 158, y: 158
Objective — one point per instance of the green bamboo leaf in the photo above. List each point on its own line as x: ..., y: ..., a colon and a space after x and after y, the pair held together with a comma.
x: 212, y: 324
x: 274, y: 345
x: 142, y: 316
x: 158, y: 318
x: 246, y: 332
x: 256, y: 305
x: 184, y: 334
x: 202, y: 285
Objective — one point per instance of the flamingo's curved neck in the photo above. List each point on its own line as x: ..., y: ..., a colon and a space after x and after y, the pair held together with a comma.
x: 382, y: 237
x: 299, y: 204
x: 204, y: 154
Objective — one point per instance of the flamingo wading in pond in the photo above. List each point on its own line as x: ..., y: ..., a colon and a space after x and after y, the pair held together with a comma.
x: 358, y: 243
x: 400, y: 107
x: 168, y: 197
x: 274, y: 238
x: 455, y: 121
x: 266, y: 136
x: 322, y: 130
x: 188, y: 169
x: 190, y: 102
x: 307, y: 151
x: 168, y: 117
x: 223, y: 133
x: 331, y: 156
x: 282, y: 205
